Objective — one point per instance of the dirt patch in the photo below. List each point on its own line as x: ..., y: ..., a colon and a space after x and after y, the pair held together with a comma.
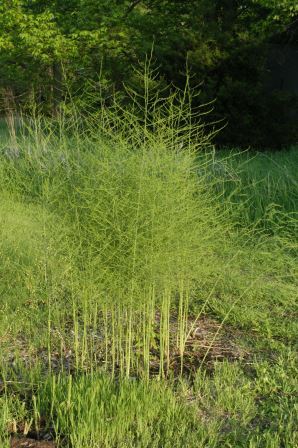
x: 22, y: 435
x: 23, y: 442
x: 207, y: 342
x: 210, y: 342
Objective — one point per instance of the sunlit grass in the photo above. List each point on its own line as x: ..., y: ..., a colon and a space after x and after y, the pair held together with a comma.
x: 116, y: 236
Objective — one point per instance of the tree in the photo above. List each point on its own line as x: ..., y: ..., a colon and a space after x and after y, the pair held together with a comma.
x: 224, y: 43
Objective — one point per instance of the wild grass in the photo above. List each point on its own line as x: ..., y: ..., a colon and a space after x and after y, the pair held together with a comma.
x: 229, y: 408
x: 134, y: 225
x: 117, y: 236
x: 260, y: 187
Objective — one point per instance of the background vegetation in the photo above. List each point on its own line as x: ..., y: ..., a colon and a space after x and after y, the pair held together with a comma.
x: 48, y: 49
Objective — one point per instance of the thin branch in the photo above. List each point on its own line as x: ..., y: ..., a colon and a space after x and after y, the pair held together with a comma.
x: 132, y: 7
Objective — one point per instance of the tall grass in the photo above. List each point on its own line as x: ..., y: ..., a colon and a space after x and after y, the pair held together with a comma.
x: 136, y: 227
x: 261, y: 188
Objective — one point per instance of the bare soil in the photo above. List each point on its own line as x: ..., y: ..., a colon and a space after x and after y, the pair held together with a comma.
x: 23, y: 442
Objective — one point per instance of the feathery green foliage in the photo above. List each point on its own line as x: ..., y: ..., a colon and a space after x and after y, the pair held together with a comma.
x: 118, y: 234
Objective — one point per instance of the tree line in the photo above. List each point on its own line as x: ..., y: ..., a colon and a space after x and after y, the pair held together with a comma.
x: 52, y: 48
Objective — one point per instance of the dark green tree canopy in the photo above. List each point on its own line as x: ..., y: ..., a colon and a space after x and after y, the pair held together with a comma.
x: 44, y: 44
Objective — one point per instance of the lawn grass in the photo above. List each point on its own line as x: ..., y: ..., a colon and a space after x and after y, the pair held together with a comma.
x: 148, y: 294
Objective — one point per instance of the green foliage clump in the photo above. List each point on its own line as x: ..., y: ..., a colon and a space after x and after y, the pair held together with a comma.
x: 140, y: 224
